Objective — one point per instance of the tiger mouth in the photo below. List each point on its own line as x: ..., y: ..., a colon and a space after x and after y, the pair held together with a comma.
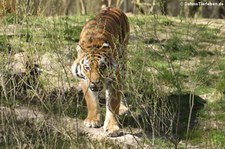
x: 96, y: 88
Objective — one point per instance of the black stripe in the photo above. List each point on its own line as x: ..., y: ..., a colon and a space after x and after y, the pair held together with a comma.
x: 78, y: 75
x: 76, y: 69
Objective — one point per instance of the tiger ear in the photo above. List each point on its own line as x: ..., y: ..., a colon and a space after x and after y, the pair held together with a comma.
x: 105, y: 45
x: 78, y: 48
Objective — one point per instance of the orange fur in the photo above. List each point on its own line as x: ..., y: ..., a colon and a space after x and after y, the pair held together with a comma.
x: 7, y: 6
x: 100, y: 64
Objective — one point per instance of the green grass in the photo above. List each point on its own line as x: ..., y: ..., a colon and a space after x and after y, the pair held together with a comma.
x: 169, y: 60
x: 211, y: 131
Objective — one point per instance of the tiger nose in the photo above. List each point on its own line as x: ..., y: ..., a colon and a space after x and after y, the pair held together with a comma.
x: 95, y: 86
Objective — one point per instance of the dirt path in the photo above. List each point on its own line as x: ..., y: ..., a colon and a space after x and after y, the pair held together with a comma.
x: 74, y: 127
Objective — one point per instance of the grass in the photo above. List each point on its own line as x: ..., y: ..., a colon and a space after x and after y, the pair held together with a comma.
x: 174, y: 88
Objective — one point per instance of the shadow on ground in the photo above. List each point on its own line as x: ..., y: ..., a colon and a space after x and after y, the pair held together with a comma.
x: 170, y: 117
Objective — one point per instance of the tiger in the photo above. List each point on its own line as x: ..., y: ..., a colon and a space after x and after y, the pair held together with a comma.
x: 100, y: 66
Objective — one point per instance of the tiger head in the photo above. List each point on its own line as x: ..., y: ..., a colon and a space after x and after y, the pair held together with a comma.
x: 94, y: 66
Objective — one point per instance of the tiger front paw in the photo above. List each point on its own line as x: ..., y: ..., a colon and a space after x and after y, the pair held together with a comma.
x: 92, y: 123
x: 112, y: 130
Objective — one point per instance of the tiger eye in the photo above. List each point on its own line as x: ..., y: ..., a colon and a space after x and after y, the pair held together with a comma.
x: 86, y: 67
x: 102, y: 66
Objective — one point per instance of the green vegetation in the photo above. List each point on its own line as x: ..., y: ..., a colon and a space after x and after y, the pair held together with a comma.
x: 175, y: 80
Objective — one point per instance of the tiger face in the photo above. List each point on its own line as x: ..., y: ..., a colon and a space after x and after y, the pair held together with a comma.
x: 94, y: 68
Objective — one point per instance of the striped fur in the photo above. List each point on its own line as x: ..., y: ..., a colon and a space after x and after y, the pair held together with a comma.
x: 100, y: 63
